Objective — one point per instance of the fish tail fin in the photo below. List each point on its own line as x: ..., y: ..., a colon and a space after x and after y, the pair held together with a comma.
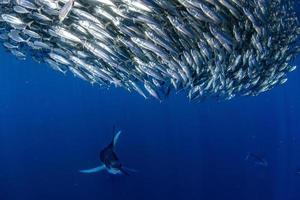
x: 29, y: 24
x: 93, y: 170
x: 28, y: 40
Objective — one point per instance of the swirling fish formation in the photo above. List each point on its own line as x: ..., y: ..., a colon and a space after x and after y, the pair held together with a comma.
x: 205, y: 48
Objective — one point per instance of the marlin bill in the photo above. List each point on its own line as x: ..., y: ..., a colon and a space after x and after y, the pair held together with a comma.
x: 204, y: 48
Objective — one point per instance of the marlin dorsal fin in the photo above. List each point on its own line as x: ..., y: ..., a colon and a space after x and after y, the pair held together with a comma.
x: 116, y: 137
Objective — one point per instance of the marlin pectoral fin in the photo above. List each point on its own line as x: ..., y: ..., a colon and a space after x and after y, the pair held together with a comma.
x: 130, y: 170
x: 124, y: 171
x: 93, y: 170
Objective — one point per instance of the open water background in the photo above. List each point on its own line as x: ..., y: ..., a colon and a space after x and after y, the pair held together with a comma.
x: 52, y: 125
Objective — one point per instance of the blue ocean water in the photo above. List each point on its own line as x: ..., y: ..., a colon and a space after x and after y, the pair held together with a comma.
x: 52, y: 125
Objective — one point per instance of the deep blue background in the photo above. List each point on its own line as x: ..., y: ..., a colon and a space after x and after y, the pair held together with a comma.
x: 52, y: 124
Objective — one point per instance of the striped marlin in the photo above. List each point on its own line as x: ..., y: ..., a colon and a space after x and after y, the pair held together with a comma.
x: 109, y: 159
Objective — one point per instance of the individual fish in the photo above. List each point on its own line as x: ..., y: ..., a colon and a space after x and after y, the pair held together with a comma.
x: 41, y: 18
x: 32, y: 34
x: 11, y: 19
x: 137, y: 88
x: 63, y: 13
x: 21, y: 10
x: 20, y: 55
x: 10, y: 46
x: 15, y: 36
x: 27, y: 4
x: 66, y: 34
x: 59, y: 59
x: 151, y: 91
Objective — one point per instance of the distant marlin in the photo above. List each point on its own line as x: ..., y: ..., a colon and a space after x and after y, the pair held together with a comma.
x: 109, y: 159
x: 258, y: 160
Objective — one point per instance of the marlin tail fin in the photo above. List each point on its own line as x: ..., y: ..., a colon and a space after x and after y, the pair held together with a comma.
x: 126, y: 171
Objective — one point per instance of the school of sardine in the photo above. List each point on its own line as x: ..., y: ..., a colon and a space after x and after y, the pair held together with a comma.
x: 205, y: 48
